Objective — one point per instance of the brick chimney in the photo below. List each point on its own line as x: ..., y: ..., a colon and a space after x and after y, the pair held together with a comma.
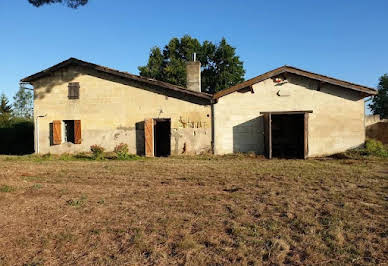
x: 193, y: 75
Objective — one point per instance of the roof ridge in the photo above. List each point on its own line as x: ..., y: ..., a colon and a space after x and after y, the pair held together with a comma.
x: 297, y: 71
x: 113, y: 71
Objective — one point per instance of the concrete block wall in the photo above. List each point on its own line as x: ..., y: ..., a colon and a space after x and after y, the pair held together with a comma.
x: 336, y: 124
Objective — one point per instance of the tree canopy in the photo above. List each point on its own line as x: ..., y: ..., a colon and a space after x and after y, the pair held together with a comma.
x: 379, y: 105
x: 69, y: 3
x: 5, y: 109
x: 220, y: 66
x: 23, y: 103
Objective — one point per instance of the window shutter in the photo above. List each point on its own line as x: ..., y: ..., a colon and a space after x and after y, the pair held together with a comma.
x: 57, y: 132
x: 77, y: 131
x: 73, y: 90
x: 76, y: 91
x: 71, y: 94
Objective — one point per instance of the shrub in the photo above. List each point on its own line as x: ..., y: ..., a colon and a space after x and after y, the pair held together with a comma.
x: 121, y: 151
x: 98, y: 152
x: 375, y: 147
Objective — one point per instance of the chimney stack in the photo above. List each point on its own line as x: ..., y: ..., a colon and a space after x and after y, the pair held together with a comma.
x: 193, y: 75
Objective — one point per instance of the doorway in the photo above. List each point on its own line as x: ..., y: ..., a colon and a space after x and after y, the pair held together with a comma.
x: 162, y: 137
x: 286, y: 134
x: 157, y: 137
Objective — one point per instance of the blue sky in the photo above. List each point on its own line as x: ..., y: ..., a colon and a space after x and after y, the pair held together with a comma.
x: 340, y: 38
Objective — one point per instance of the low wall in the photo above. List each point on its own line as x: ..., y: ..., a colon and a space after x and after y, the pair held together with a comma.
x: 373, y: 119
x: 378, y: 131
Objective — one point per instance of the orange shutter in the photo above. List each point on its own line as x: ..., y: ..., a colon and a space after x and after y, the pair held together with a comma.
x: 57, y: 132
x: 149, y: 137
x: 77, y: 131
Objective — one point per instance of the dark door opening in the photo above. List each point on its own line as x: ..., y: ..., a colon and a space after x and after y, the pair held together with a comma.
x: 162, y: 137
x: 288, y: 135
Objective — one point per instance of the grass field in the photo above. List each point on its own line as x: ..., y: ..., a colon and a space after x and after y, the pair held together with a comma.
x: 194, y: 210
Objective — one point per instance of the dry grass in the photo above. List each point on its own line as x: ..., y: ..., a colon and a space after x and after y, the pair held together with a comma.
x: 194, y: 210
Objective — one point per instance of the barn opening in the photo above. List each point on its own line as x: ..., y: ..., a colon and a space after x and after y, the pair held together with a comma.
x: 286, y: 134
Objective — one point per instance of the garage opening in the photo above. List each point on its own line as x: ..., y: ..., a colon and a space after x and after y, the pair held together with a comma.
x: 286, y: 134
x: 162, y: 137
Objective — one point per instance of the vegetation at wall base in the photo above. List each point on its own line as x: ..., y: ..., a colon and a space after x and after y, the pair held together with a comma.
x: 376, y: 148
x: 121, y: 151
x: 97, y: 151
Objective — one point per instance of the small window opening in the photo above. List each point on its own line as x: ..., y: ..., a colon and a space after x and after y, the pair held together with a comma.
x: 73, y: 90
x: 69, y: 131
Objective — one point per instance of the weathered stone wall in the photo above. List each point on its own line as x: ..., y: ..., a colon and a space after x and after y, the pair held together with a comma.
x: 373, y: 119
x: 112, y: 110
x: 336, y: 124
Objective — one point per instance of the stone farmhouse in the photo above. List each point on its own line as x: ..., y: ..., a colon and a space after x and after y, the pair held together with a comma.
x: 287, y: 112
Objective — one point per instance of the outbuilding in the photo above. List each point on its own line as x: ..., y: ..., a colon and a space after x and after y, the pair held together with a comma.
x: 289, y: 112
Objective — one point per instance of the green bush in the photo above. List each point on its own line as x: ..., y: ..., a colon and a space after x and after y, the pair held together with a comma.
x: 375, y: 147
x: 121, y: 151
x: 98, y: 152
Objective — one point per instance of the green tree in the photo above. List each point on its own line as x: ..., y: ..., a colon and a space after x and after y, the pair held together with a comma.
x: 23, y: 103
x: 379, y: 105
x: 5, y: 111
x: 220, y: 66
x: 69, y: 3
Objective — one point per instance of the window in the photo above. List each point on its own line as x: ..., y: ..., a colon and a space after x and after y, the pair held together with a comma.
x: 73, y: 90
x: 71, y: 132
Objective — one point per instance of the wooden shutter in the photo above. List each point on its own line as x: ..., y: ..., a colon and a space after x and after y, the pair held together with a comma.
x: 73, y: 92
x: 306, y: 135
x: 57, y: 132
x: 77, y: 131
x: 149, y: 137
x: 268, y: 135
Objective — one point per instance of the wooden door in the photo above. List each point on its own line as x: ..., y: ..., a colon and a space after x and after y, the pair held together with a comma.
x: 306, y: 135
x: 268, y: 135
x: 149, y: 137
